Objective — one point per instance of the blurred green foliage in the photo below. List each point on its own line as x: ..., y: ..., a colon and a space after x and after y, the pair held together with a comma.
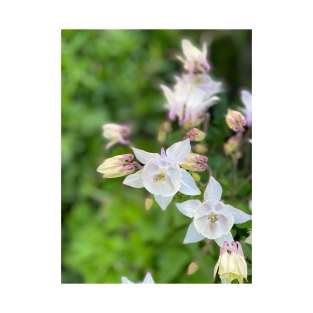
x: 114, y: 76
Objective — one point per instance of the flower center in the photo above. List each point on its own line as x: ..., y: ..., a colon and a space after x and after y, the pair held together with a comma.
x: 212, y: 217
x: 159, y: 177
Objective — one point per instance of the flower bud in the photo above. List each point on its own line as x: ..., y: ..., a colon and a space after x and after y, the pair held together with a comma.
x: 231, y: 264
x: 200, y: 148
x: 120, y: 165
x: 195, y: 163
x: 235, y: 120
x: 164, y: 129
x: 196, y: 134
x: 231, y: 147
x: 148, y: 203
x: 116, y: 133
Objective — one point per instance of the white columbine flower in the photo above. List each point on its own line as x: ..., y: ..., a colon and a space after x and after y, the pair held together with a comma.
x: 116, y: 133
x: 246, y: 99
x: 147, y: 280
x: 190, y: 98
x: 212, y: 219
x: 194, y: 60
x: 231, y: 264
x: 162, y: 175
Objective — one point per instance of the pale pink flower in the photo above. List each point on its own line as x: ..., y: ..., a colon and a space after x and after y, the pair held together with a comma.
x: 194, y: 59
x: 116, y: 133
x: 190, y: 98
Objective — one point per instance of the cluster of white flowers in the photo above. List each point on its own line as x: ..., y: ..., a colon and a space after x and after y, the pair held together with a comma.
x: 172, y: 170
x: 195, y: 91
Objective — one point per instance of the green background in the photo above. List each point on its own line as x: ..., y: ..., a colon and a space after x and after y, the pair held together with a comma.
x: 114, y: 76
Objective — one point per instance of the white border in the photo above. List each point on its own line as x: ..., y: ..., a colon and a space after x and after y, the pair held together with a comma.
x: 30, y: 156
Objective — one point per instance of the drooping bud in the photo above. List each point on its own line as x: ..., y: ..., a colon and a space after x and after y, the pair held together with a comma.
x: 231, y: 147
x: 196, y: 134
x: 195, y: 163
x: 116, y: 133
x: 120, y: 165
x: 235, y: 120
x: 231, y: 264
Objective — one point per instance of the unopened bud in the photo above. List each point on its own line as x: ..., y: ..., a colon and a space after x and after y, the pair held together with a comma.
x: 200, y: 148
x: 235, y: 120
x: 196, y: 134
x: 148, y: 203
x: 232, y: 145
x: 164, y: 129
x: 120, y: 165
x: 195, y: 163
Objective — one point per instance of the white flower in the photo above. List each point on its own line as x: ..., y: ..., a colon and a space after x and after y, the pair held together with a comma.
x: 147, y: 280
x: 246, y: 99
x: 115, y: 133
x: 194, y: 60
x: 162, y: 175
x: 190, y: 98
x: 231, y: 264
x: 212, y: 219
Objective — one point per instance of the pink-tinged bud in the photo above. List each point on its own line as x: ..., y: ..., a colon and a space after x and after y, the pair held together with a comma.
x: 235, y: 121
x: 116, y: 133
x: 195, y: 163
x: 231, y: 147
x: 120, y: 165
x: 196, y: 134
x: 231, y: 264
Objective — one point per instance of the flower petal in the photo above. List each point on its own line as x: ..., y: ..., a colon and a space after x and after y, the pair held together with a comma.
x: 214, y: 230
x: 125, y: 280
x: 162, y: 201
x: 144, y: 156
x: 229, y: 238
x: 239, y: 216
x: 192, y: 235
x: 188, y: 207
x: 213, y: 191
x: 148, y: 279
x: 246, y: 98
x: 179, y: 151
x: 134, y: 180
x: 188, y: 185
